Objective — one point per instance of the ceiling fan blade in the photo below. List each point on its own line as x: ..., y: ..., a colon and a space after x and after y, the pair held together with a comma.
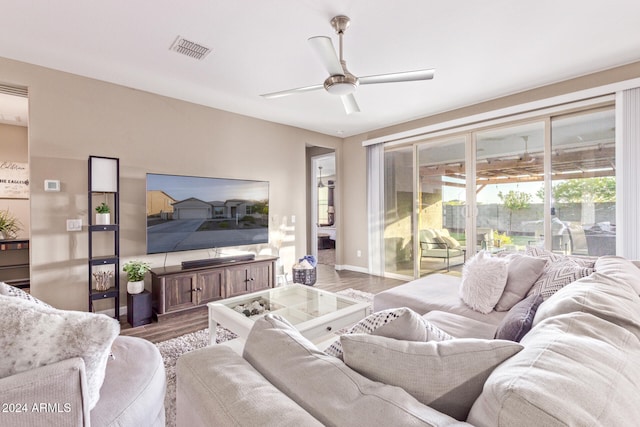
x: 406, y: 76
x: 288, y: 92
x: 350, y: 104
x: 327, y: 54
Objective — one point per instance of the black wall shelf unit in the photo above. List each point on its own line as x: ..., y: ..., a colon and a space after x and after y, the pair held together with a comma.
x: 104, y: 186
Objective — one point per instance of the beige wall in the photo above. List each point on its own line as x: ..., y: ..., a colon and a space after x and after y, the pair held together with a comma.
x: 14, y: 148
x: 72, y: 117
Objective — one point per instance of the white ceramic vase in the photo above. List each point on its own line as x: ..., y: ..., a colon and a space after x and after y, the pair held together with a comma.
x: 135, y: 287
x: 103, y: 218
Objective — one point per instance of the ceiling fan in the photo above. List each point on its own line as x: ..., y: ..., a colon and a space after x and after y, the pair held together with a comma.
x: 340, y: 81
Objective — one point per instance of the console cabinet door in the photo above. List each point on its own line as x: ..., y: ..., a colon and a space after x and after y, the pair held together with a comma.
x: 210, y: 286
x: 261, y: 276
x: 238, y: 281
x: 180, y: 292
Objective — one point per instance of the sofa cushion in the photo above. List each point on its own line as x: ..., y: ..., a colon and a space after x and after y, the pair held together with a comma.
x: 605, y: 296
x: 433, y: 292
x: 230, y: 392
x: 400, y: 323
x: 447, y: 375
x: 523, y: 271
x: 327, y: 388
x: 575, y: 370
x: 133, y: 390
x: 621, y: 269
x: 519, y: 320
x: 460, y: 326
x: 34, y: 335
x: 579, y: 363
x: 483, y: 280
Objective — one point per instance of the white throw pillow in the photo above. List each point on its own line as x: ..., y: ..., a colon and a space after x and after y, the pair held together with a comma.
x: 12, y: 291
x: 451, y: 242
x: 483, y: 281
x: 447, y: 375
x: 34, y: 335
x: 399, y: 323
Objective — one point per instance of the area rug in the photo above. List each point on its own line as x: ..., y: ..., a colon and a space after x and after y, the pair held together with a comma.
x: 172, y: 349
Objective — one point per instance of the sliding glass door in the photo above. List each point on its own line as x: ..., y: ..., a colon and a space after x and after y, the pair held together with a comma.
x: 441, y: 205
x: 398, y: 211
x: 584, y: 183
x: 510, y: 187
x: 549, y: 181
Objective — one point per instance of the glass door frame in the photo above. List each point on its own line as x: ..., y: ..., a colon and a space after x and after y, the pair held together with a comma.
x: 471, y: 211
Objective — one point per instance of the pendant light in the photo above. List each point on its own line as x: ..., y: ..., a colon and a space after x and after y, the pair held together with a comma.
x: 320, y: 184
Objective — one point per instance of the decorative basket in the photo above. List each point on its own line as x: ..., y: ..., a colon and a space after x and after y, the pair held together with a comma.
x: 305, y: 276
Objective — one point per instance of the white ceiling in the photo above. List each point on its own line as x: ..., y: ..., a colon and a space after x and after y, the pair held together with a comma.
x: 480, y: 50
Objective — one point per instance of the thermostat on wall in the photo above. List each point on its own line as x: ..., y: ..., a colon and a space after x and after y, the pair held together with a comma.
x: 51, y: 185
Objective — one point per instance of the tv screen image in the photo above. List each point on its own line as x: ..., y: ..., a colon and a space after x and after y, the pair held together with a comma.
x: 187, y: 212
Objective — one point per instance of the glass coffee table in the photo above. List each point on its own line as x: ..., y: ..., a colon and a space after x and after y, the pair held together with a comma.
x: 315, y: 313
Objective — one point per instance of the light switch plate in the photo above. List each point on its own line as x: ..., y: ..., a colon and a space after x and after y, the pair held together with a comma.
x: 74, y: 225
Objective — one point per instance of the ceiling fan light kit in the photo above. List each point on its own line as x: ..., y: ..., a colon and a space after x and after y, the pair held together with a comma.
x: 341, y: 85
x: 340, y: 81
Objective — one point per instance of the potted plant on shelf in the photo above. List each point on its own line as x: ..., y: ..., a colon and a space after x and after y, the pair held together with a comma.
x: 135, y: 275
x: 9, y: 225
x: 103, y: 216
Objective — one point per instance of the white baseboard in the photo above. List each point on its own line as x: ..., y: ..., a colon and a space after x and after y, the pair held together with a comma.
x: 353, y: 268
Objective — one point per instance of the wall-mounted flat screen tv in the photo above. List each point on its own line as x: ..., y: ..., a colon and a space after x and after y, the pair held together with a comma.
x: 187, y: 212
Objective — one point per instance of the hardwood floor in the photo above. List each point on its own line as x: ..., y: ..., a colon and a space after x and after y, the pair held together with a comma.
x: 327, y: 278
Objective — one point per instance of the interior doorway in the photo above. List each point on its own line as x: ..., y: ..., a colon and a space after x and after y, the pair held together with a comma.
x: 323, y: 208
x: 14, y: 187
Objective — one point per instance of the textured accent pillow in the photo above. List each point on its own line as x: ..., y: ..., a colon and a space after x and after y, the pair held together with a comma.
x: 447, y: 376
x: 537, y: 251
x: 12, y: 291
x: 483, y: 281
x: 33, y: 335
x: 558, y: 275
x: 519, y: 319
x: 399, y: 323
x: 523, y: 271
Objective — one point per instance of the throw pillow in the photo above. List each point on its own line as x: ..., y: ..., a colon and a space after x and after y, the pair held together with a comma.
x: 537, y: 251
x: 523, y: 271
x: 519, y: 319
x: 447, y: 376
x: 558, y: 275
x: 33, y: 336
x: 12, y: 291
x: 324, y: 386
x: 451, y: 242
x: 400, y: 323
x: 483, y: 281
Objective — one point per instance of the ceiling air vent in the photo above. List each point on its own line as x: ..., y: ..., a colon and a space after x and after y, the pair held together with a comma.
x: 189, y: 48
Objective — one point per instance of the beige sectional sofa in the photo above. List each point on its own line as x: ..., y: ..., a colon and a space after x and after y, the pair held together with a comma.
x: 68, y: 368
x: 577, y: 365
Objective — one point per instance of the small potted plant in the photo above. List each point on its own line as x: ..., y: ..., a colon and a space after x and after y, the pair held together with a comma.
x: 135, y: 275
x: 9, y: 225
x: 103, y: 216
